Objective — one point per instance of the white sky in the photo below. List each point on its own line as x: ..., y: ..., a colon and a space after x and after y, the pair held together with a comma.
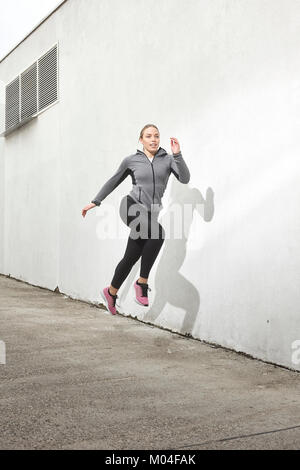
x: 18, y: 18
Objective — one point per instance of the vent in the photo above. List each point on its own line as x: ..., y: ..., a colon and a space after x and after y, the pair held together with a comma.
x: 47, y: 78
x: 12, y: 108
x: 29, y: 92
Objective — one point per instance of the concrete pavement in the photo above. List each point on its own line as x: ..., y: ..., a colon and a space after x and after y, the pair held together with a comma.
x: 78, y: 378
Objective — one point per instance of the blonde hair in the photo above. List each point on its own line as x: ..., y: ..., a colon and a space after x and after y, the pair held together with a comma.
x: 145, y: 127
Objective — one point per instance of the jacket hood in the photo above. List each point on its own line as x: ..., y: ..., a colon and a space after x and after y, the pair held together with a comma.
x: 160, y: 152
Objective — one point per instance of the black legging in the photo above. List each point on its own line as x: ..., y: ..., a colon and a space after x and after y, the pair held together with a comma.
x: 145, y: 239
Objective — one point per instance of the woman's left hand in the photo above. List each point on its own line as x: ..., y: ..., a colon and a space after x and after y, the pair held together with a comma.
x: 175, y: 145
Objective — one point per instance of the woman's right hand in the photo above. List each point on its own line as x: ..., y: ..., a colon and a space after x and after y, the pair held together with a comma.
x: 87, y: 208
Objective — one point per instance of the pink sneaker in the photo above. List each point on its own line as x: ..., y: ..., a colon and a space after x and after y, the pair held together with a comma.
x: 110, y: 300
x: 141, y: 293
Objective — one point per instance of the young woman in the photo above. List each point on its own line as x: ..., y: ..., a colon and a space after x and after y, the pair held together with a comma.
x: 150, y: 170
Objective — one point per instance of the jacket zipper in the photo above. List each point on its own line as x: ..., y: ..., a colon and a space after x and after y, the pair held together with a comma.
x: 153, y: 179
x: 151, y: 163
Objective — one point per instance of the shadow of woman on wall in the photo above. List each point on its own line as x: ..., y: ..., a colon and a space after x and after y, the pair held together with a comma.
x: 170, y: 285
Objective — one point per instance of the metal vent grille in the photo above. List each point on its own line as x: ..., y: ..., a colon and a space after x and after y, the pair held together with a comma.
x: 47, y: 78
x: 29, y: 92
x: 12, y: 108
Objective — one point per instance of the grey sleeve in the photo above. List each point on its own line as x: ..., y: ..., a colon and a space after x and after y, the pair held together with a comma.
x: 179, y: 168
x: 113, y: 182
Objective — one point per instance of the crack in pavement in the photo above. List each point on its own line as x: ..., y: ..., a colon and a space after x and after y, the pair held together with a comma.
x: 237, y: 437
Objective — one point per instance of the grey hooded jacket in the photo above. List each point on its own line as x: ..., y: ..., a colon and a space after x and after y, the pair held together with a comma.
x: 149, y: 179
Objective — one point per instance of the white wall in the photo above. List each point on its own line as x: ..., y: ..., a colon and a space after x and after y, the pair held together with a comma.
x: 223, y: 77
x: 2, y: 205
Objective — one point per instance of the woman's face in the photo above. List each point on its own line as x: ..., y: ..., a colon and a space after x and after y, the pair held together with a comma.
x: 150, y: 139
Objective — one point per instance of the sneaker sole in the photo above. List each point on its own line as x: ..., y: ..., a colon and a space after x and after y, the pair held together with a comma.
x: 140, y: 303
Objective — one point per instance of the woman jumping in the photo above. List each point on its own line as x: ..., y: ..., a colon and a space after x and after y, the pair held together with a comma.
x: 150, y: 170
